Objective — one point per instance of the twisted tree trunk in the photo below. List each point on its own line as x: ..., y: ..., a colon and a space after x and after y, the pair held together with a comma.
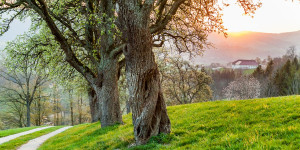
x: 149, y: 114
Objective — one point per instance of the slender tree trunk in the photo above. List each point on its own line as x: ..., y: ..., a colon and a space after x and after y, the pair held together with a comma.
x: 81, y: 107
x: 61, y: 122
x: 57, y: 112
x: 79, y: 110
x: 54, y: 118
x: 94, y: 105
x: 71, y: 107
x: 20, y: 120
x: 28, y: 114
x: 39, y: 112
x: 72, y: 113
x: 108, y: 92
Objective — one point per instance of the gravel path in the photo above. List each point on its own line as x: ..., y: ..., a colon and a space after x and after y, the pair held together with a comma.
x: 35, y: 143
x: 11, y: 137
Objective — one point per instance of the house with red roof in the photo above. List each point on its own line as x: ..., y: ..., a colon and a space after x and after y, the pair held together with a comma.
x: 244, y: 64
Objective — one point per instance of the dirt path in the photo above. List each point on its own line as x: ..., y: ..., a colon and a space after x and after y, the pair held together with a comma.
x: 35, y: 143
x: 11, y: 137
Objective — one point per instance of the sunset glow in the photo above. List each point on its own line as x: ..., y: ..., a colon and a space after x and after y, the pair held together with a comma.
x: 275, y: 16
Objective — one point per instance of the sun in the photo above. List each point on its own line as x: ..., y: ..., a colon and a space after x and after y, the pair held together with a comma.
x: 236, y: 21
x: 275, y: 16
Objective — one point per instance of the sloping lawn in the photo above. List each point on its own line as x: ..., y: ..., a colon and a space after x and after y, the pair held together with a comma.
x: 15, y: 143
x: 271, y: 123
x: 8, y: 132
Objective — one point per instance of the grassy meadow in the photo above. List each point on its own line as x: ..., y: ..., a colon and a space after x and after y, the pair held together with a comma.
x: 270, y: 123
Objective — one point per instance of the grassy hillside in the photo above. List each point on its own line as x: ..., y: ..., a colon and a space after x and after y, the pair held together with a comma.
x: 8, y: 132
x: 272, y: 123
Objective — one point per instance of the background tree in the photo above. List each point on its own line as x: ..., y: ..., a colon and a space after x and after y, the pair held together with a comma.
x: 221, y: 79
x: 45, y: 52
x: 287, y: 78
x: 283, y: 78
x: 267, y: 86
x: 243, y: 88
x: 183, y: 82
x: 87, y: 35
x: 23, y: 77
x: 40, y: 107
x: 14, y: 115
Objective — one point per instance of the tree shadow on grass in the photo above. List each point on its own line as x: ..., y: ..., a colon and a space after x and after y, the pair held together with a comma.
x: 156, y: 142
x: 100, y: 143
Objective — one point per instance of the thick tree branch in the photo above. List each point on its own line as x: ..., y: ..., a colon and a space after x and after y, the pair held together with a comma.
x: 115, y: 53
x: 70, y: 56
x: 160, y: 25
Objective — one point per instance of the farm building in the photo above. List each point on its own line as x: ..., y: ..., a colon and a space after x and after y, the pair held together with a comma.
x: 244, y: 64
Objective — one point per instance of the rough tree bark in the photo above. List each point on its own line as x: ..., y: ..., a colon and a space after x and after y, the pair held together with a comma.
x: 128, y: 107
x: 108, y: 91
x: 94, y: 105
x: 149, y: 114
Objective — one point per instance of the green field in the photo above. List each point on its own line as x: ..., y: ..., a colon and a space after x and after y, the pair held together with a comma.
x: 248, y: 71
x: 8, y: 132
x: 272, y: 123
x: 15, y: 143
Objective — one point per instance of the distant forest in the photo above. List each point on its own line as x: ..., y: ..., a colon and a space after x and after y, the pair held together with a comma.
x: 278, y: 76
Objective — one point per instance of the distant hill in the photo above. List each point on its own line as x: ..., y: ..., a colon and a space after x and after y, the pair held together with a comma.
x: 248, y: 45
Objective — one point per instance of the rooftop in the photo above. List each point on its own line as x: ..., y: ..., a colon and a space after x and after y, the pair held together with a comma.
x: 245, y: 62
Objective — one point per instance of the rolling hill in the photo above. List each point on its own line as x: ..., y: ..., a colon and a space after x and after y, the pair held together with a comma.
x: 270, y: 123
x: 248, y: 45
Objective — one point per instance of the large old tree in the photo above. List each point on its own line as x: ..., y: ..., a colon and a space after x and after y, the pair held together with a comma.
x: 143, y: 25
x: 47, y: 54
x: 184, y: 23
x: 85, y: 32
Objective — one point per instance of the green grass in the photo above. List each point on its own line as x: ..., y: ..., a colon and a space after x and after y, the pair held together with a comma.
x: 272, y: 123
x: 248, y: 71
x: 15, y: 143
x: 8, y: 132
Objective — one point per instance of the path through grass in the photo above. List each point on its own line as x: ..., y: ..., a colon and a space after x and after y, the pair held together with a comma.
x: 15, y: 143
x: 8, y: 132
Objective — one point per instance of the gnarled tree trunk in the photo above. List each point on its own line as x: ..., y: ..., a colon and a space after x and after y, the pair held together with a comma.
x: 149, y: 114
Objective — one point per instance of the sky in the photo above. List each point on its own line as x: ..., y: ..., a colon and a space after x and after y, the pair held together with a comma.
x: 17, y: 28
x: 275, y: 16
